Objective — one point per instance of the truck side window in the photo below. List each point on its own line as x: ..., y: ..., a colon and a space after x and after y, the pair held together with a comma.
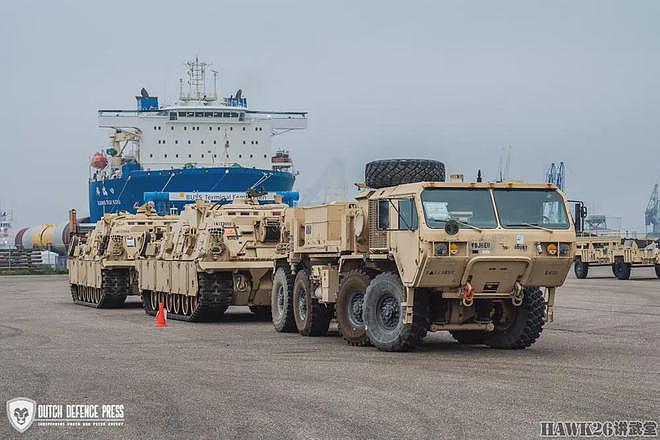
x: 407, y: 215
x: 383, y: 214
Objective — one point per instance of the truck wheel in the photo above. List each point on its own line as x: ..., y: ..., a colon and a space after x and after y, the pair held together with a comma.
x: 392, y: 172
x: 517, y: 327
x: 581, y: 269
x: 350, y: 301
x: 262, y: 313
x: 383, y: 315
x: 468, y: 337
x: 657, y: 270
x: 281, y: 300
x: 621, y: 270
x: 312, y: 318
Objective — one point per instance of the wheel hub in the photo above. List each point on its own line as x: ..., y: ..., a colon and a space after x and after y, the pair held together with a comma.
x: 388, y: 309
x: 355, y: 307
x: 302, y: 306
x: 280, y: 300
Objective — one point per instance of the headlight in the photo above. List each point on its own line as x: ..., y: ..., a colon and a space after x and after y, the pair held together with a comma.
x: 453, y: 248
x: 551, y: 248
x: 441, y: 249
x: 564, y: 249
x: 539, y: 248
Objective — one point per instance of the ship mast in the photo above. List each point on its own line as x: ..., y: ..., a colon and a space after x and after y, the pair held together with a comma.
x: 197, y: 83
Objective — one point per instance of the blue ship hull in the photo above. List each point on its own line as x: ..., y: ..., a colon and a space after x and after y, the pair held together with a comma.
x: 222, y: 183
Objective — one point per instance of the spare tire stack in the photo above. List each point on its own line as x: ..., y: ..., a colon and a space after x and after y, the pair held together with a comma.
x: 392, y: 172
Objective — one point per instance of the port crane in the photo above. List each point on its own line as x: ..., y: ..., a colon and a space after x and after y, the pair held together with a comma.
x: 652, y: 213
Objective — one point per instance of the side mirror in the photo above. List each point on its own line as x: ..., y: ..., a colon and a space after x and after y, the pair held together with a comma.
x: 451, y: 227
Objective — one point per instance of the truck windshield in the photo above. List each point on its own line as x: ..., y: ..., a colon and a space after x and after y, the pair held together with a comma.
x: 471, y: 206
x: 529, y: 208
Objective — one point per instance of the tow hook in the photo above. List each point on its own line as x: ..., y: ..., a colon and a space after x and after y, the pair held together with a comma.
x: 468, y: 295
x: 518, y: 295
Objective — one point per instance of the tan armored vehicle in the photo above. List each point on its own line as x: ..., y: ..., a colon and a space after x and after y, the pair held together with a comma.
x: 102, y: 264
x: 213, y: 257
x: 415, y: 254
x: 622, y: 254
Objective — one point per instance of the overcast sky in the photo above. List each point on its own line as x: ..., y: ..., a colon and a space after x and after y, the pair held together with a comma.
x: 573, y: 81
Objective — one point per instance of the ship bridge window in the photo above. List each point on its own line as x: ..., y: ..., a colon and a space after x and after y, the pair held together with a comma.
x: 182, y: 114
x: 217, y: 114
x: 190, y: 114
x: 208, y: 114
x: 172, y: 116
x: 241, y: 116
x: 199, y: 114
x: 234, y: 114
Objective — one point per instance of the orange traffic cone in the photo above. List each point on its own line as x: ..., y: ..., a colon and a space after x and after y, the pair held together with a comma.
x: 161, y: 318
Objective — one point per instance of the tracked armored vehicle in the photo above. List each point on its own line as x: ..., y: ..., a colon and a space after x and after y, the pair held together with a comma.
x: 102, y: 263
x: 214, y: 256
x: 621, y: 254
x: 413, y: 254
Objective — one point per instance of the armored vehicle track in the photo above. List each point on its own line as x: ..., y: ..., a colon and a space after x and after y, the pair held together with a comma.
x: 114, y: 288
x: 213, y: 297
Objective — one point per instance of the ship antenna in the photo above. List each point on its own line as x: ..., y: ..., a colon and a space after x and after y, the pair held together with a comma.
x: 215, y: 85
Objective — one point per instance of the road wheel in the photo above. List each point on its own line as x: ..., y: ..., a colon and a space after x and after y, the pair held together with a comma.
x: 312, y: 318
x: 581, y: 269
x: 657, y: 270
x: 383, y: 315
x: 281, y: 299
x: 517, y: 327
x: 621, y: 270
x: 392, y: 172
x: 468, y: 337
x: 261, y: 312
x: 350, y: 301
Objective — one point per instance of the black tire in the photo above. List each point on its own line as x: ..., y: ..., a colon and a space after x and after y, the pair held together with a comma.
x: 524, y: 325
x: 614, y: 270
x: 581, y: 269
x: 657, y: 270
x: 621, y: 270
x: 468, y: 337
x: 263, y: 313
x: 348, y: 310
x: 312, y: 318
x: 281, y: 300
x: 383, y: 315
x: 392, y: 172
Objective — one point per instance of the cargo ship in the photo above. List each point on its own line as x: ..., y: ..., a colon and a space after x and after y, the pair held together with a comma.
x: 199, y: 147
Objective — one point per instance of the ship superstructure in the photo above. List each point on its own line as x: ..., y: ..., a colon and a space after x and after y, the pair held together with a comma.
x: 201, y: 146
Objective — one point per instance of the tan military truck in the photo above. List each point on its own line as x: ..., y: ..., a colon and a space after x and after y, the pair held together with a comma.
x: 102, y: 263
x: 622, y: 254
x: 213, y: 257
x: 414, y: 254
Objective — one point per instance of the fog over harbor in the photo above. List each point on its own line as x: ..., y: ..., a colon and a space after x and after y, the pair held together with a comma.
x: 456, y: 81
